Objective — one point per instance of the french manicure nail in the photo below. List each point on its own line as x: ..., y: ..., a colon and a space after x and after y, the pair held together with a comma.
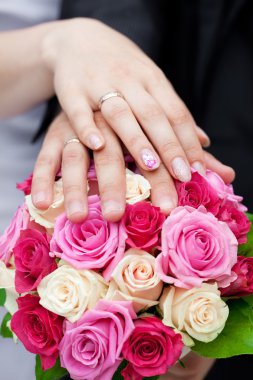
x: 199, y: 167
x: 94, y: 141
x: 39, y: 197
x: 149, y: 159
x: 75, y: 207
x: 181, y: 169
x: 111, y: 207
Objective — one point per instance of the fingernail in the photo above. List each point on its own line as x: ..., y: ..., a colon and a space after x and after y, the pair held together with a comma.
x: 111, y: 207
x: 149, y: 159
x: 39, y: 197
x: 167, y: 205
x: 181, y: 169
x: 75, y: 207
x: 94, y: 142
x: 207, y: 142
x: 199, y: 167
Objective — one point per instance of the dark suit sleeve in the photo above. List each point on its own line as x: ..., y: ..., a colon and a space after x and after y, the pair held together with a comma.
x: 140, y: 20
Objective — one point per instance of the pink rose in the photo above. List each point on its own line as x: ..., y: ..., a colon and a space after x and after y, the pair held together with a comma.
x: 198, y: 192
x: 26, y: 185
x: 236, y: 220
x: 94, y: 243
x: 143, y: 223
x: 8, y: 240
x: 91, y: 347
x: 196, y: 247
x: 32, y: 260
x: 243, y: 285
x: 38, y: 329
x: 152, y: 348
x: 225, y: 192
x: 129, y: 373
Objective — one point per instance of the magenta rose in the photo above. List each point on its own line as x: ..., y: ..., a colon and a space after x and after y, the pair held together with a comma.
x: 38, y: 329
x: 91, y: 347
x: 236, y: 220
x: 32, y: 260
x: 129, y: 373
x: 143, y: 223
x: 94, y: 243
x: 196, y: 247
x: 243, y: 285
x: 26, y: 185
x: 198, y: 192
x: 224, y: 191
x: 8, y: 240
x: 152, y: 348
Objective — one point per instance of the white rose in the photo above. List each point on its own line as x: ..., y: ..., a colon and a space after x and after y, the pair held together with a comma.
x: 137, y: 187
x: 135, y: 279
x: 7, y: 282
x: 46, y: 218
x: 199, y: 313
x: 69, y: 292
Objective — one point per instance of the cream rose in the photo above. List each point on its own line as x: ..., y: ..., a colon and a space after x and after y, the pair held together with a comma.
x: 137, y: 187
x: 199, y: 313
x: 7, y: 282
x: 46, y: 218
x: 135, y: 279
x: 69, y: 292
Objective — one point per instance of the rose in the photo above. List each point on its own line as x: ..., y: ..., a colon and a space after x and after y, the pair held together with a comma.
x: 69, y: 292
x: 38, y: 329
x: 32, y: 260
x: 225, y: 192
x: 93, y: 244
x: 47, y: 218
x: 8, y: 240
x: 135, y: 279
x: 199, y: 312
x: 142, y: 223
x: 137, y: 187
x: 152, y: 347
x: 243, y: 285
x: 91, y: 347
x: 26, y: 185
x: 129, y: 373
x: 236, y: 220
x: 196, y: 247
x: 198, y: 192
x: 7, y: 276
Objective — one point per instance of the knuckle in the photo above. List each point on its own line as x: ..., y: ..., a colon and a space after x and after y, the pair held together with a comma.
x: 180, y: 115
x: 71, y: 188
x: 116, y: 110
x: 45, y: 160
x: 170, y: 148
x: 151, y: 111
x: 105, y: 159
x: 77, y: 113
x: 72, y: 157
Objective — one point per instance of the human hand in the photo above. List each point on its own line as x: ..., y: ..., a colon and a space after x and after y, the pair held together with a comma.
x: 73, y: 161
x: 86, y: 60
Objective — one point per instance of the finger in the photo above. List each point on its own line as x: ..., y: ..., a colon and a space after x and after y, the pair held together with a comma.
x: 157, y: 127
x: 226, y: 172
x: 110, y: 169
x: 80, y: 115
x: 203, y: 137
x: 47, y: 165
x: 182, y: 123
x: 120, y: 117
x: 75, y: 163
x: 163, y: 192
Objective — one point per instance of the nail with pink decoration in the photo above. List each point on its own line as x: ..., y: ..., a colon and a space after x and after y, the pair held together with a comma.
x: 149, y: 159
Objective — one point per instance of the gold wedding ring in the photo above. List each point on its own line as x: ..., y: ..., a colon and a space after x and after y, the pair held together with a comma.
x: 72, y: 140
x: 108, y: 95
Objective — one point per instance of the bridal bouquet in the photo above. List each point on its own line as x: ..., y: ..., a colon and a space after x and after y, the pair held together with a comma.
x: 123, y: 300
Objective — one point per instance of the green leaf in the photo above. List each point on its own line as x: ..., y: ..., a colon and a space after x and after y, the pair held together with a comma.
x: 2, y: 297
x: 4, y: 330
x: 51, y: 374
x: 237, y: 336
x: 247, y: 249
x: 249, y: 299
